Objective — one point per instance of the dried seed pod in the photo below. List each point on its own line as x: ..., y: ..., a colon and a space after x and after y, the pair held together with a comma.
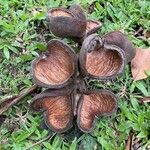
x: 100, y: 60
x: 77, y: 11
x: 92, y: 27
x: 57, y: 67
x: 94, y: 104
x: 67, y: 23
x: 57, y: 107
x: 119, y: 39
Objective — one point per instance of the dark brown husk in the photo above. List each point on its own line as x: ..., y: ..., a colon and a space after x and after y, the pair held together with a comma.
x: 119, y: 39
x: 64, y: 70
x: 64, y: 26
x: 57, y: 107
x: 100, y: 60
x: 102, y: 102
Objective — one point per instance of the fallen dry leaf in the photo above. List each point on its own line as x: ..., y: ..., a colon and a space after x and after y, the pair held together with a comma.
x: 140, y: 64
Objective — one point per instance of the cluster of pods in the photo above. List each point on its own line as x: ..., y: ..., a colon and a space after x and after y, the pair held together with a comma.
x: 62, y: 72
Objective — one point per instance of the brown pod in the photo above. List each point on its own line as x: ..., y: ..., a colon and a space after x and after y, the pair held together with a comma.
x: 65, y: 23
x: 92, y: 27
x: 57, y: 67
x: 119, y: 39
x: 92, y: 105
x: 57, y: 108
x: 100, y: 60
x: 77, y: 11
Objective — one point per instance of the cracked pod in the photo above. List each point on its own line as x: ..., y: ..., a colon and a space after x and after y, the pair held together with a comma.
x: 57, y: 67
x: 92, y: 105
x: 77, y: 11
x: 57, y: 108
x: 67, y: 22
x: 92, y: 26
x: 119, y: 39
x: 100, y: 60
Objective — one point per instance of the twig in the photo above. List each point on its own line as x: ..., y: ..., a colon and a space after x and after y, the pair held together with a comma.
x: 5, y: 105
x: 42, y: 140
x: 138, y: 31
x: 128, y: 145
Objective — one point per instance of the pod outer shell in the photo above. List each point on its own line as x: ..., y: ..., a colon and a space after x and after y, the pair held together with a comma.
x: 74, y: 60
x: 104, y: 114
x: 95, y: 29
x: 63, y: 26
x: 119, y: 39
x: 84, y: 51
x: 77, y: 11
x: 66, y: 91
x: 89, y: 32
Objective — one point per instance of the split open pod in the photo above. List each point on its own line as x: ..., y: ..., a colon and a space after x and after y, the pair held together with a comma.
x: 67, y: 95
x: 105, y: 57
x: 94, y: 104
x: 55, y: 68
x: 57, y: 106
x: 99, y: 60
x: 92, y: 26
x: 58, y: 69
x: 71, y: 23
x: 65, y: 23
x: 119, y: 39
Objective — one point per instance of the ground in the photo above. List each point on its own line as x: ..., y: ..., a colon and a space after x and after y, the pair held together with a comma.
x: 23, y: 36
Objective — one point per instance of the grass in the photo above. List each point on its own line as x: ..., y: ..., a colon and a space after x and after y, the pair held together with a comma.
x: 23, y: 36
